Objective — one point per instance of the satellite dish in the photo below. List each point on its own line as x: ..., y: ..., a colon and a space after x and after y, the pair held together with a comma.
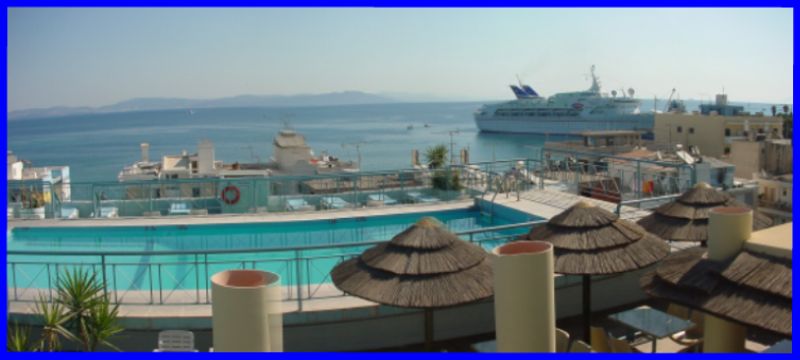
x: 630, y: 92
x: 614, y: 93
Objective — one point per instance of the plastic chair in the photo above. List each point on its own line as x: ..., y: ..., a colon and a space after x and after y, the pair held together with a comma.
x: 562, y: 340
x: 176, y: 341
x: 692, y: 336
x: 578, y: 346
x: 600, y: 339
x: 622, y: 346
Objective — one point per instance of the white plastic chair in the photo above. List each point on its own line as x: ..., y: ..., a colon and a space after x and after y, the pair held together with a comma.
x: 175, y: 341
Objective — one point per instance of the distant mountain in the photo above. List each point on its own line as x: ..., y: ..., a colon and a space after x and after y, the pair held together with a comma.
x: 141, y: 104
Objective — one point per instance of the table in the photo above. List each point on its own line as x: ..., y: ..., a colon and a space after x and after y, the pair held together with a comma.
x: 653, y: 323
x: 781, y: 347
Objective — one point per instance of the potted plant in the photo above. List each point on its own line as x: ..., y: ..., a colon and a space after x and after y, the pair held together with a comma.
x: 32, y: 205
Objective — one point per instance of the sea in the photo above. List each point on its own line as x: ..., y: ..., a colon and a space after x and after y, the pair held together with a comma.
x: 97, y: 146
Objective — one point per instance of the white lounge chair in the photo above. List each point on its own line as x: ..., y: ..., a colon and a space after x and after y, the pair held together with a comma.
x: 175, y: 341
x: 181, y: 208
x: 418, y: 197
x: 380, y: 199
x: 10, y: 213
x: 298, y: 205
x: 69, y: 212
x: 109, y: 212
x: 333, y: 202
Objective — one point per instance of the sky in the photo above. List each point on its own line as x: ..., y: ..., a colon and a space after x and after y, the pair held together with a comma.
x: 96, y: 57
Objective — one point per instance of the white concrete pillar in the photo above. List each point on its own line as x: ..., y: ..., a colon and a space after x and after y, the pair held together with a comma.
x: 145, y: 147
x: 728, y: 230
x: 245, y: 311
x: 524, y: 297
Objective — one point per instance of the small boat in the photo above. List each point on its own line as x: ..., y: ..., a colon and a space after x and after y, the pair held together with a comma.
x: 410, y: 127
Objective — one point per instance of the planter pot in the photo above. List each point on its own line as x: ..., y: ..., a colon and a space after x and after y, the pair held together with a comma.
x: 32, y: 213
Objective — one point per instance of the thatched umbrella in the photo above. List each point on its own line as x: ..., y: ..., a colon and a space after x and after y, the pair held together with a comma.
x: 686, y: 218
x: 589, y: 240
x: 423, y: 267
x: 753, y: 289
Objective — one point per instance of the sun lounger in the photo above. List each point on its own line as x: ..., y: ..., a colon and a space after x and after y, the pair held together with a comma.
x: 418, y: 197
x: 380, y: 199
x: 175, y: 341
x: 298, y: 205
x: 10, y: 213
x: 180, y: 209
x: 333, y: 202
x: 69, y: 212
x: 109, y: 212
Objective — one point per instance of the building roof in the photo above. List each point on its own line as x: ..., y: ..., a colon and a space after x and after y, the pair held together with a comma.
x: 610, y: 133
x: 775, y: 241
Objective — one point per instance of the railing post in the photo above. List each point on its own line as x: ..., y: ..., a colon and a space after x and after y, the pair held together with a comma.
x: 197, y: 278
x: 14, y: 279
x: 49, y: 283
x: 205, y: 281
x: 150, y: 271
x: 103, y: 271
x: 298, y: 280
x: 114, y: 277
x: 160, y: 286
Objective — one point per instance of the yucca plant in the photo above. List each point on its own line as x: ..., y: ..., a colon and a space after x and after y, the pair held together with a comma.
x: 54, y: 318
x: 83, y: 297
x: 18, y: 338
x: 102, y: 325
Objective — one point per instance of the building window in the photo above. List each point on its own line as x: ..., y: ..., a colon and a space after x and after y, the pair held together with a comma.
x: 196, y: 192
x: 679, y: 129
x: 727, y: 132
x: 691, y: 130
x: 727, y: 150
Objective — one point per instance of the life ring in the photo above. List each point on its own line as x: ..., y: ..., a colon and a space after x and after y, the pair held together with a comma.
x: 236, y: 194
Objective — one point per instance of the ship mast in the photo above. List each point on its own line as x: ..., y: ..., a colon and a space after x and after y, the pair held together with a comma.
x: 595, y: 82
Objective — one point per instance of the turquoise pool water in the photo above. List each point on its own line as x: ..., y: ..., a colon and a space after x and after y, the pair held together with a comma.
x: 263, y: 246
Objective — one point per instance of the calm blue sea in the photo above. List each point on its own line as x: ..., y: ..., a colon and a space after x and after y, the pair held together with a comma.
x: 96, y: 147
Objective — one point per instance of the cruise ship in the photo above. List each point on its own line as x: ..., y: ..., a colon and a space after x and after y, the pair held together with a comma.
x: 564, y: 113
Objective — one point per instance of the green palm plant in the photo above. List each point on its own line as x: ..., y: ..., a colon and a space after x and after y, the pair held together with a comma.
x: 18, y: 338
x: 436, y: 156
x: 54, y: 318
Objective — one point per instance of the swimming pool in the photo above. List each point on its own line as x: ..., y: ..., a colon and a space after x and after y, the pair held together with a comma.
x: 144, y: 260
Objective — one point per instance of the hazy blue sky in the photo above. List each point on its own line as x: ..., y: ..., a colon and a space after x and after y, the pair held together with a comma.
x: 96, y: 57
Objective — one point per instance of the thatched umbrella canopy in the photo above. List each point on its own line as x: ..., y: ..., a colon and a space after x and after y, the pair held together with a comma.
x: 753, y: 289
x: 686, y: 218
x: 589, y: 240
x: 424, y: 267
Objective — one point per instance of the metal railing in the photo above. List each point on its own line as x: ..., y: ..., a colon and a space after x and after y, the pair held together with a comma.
x: 140, y: 277
x: 202, y: 196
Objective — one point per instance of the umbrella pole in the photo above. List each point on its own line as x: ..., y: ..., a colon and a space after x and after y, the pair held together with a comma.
x: 587, y: 307
x: 428, y: 329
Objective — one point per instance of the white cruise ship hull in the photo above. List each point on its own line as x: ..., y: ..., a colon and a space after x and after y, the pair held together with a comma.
x: 564, y: 124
